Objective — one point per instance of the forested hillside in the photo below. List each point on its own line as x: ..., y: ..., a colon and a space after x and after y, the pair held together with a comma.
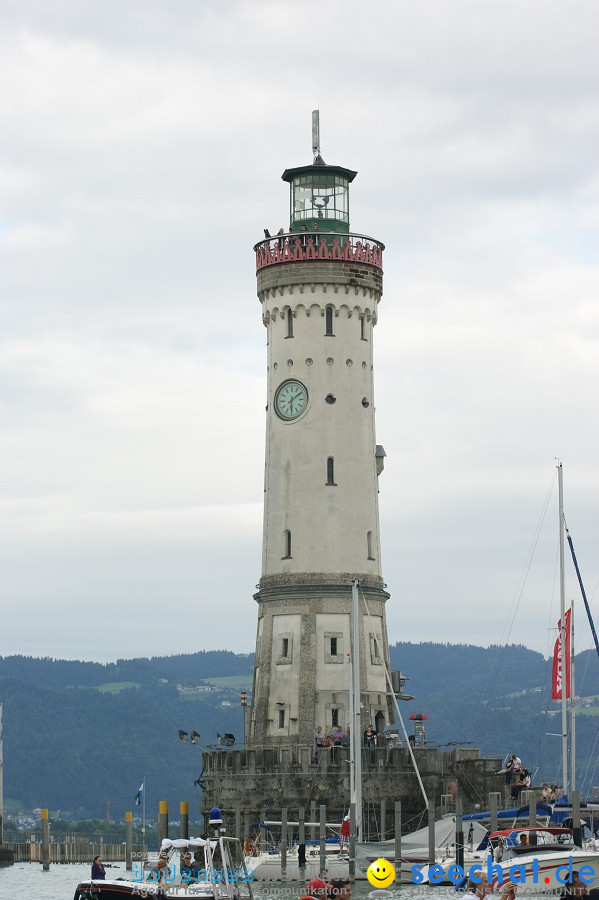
x: 80, y: 734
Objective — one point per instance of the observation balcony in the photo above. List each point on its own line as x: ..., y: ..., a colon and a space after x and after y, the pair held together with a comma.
x: 313, y: 246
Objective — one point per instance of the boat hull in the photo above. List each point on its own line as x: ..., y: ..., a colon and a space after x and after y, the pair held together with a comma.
x: 268, y: 868
x: 120, y: 890
x: 549, y: 866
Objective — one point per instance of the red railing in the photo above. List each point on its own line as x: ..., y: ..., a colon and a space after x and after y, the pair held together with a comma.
x: 312, y: 246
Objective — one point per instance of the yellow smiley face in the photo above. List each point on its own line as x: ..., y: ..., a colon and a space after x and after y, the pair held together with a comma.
x: 381, y: 873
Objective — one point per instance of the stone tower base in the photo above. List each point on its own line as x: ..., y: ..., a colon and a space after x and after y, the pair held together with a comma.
x: 257, y: 784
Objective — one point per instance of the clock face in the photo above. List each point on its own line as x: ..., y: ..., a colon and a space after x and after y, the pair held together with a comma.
x: 291, y: 400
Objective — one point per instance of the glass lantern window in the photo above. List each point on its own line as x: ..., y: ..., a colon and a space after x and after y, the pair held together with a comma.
x: 320, y: 197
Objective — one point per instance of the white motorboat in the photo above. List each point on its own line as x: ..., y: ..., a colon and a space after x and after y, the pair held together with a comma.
x: 219, y: 874
x: 263, y: 858
x: 267, y: 865
x: 540, y: 859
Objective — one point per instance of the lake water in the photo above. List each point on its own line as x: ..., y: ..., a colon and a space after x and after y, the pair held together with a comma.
x: 27, y: 881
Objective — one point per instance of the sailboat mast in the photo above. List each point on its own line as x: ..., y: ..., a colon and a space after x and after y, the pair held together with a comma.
x: 352, y: 761
x: 572, y: 703
x: 1, y: 785
x: 562, y: 602
x: 356, y: 725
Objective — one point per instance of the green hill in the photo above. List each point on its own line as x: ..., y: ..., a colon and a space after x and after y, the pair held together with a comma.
x: 79, y: 734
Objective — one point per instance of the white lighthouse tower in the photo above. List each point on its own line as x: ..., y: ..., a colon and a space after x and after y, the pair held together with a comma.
x: 319, y: 286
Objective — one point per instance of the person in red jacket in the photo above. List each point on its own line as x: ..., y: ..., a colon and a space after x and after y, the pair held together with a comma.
x: 344, y: 836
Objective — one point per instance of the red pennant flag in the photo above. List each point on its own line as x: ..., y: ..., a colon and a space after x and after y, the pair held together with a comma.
x: 557, y: 675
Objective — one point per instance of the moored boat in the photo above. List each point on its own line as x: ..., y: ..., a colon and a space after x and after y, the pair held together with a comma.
x: 219, y: 873
x: 540, y: 859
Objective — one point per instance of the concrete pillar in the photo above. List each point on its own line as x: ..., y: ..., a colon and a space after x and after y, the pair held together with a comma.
x: 397, y: 841
x: 301, y: 832
x: 184, y: 819
x: 162, y: 821
x: 128, y: 840
x: 45, y: 841
x: 313, y: 819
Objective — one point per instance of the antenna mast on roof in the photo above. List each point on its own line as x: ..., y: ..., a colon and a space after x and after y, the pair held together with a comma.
x: 318, y: 160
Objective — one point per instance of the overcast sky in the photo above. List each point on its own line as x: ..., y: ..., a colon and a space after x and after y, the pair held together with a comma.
x: 141, y: 150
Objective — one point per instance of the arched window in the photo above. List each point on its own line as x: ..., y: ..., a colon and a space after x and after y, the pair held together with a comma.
x: 328, y: 313
x: 286, y: 544
x: 369, y: 545
x: 289, y: 324
x: 331, y: 471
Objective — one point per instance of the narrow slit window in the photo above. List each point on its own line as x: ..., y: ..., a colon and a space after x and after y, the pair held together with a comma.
x: 329, y: 321
x: 333, y: 648
x: 289, y: 324
x: 330, y: 470
x: 285, y: 647
x: 369, y: 545
x: 281, y: 718
x: 287, y: 544
x: 334, y: 718
x: 363, y: 328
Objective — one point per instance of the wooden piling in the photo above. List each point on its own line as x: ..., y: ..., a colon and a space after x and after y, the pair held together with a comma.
x: 128, y: 840
x: 247, y: 821
x: 431, y: 831
x: 576, y: 829
x: 301, y: 832
x: 284, y: 817
x: 352, y: 842
x: 238, y: 819
x: 397, y: 841
x: 184, y: 819
x: 459, y: 834
x: 383, y: 826
x: 494, y: 801
x: 323, y: 836
x: 162, y: 821
x: 45, y: 841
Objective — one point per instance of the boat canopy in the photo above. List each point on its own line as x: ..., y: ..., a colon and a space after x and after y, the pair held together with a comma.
x: 546, y: 829
x: 514, y: 813
x: 183, y: 843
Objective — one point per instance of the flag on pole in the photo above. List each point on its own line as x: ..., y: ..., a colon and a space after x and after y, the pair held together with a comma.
x: 139, y: 795
x: 557, y: 674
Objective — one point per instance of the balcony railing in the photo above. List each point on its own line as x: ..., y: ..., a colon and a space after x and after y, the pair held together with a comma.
x: 311, y: 246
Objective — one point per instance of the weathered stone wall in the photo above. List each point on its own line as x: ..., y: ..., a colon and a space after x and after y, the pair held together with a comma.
x: 262, y: 782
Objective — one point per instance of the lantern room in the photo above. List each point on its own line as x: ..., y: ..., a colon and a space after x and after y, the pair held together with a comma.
x: 319, y: 196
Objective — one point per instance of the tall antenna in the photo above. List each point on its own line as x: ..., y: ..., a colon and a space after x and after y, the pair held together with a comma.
x: 315, y: 132
x: 316, y: 137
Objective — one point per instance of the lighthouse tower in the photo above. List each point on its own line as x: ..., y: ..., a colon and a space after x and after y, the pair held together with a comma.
x: 319, y: 287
